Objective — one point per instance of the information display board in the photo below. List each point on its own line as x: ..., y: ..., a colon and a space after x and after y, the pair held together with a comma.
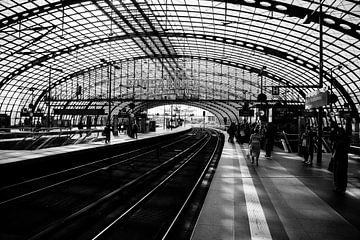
x: 317, y: 99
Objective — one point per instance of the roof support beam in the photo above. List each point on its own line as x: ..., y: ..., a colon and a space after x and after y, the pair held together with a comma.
x: 288, y: 9
x: 141, y: 36
x: 218, y: 112
x: 165, y: 46
x: 300, y: 12
x: 251, y: 69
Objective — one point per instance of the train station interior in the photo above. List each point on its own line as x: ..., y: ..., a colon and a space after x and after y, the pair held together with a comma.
x: 138, y: 119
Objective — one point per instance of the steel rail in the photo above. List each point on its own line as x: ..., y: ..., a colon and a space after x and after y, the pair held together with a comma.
x: 82, y: 175
x: 108, y: 197
x: 196, y: 185
x: 151, y: 192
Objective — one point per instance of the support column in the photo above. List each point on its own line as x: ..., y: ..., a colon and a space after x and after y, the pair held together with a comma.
x: 319, y: 142
x: 320, y: 121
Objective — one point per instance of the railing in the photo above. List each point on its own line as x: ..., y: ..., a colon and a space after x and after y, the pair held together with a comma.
x: 286, y: 141
x: 48, y: 137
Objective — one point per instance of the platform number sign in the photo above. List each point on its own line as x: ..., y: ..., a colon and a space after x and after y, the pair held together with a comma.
x: 275, y: 90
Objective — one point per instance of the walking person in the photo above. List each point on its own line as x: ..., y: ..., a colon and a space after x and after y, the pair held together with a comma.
x: 340, y: 157
x: 254, y: 145
x: 231, y: 131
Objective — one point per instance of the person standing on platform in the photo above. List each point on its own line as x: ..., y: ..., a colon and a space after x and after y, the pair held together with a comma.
x: 231, y: 131
x: 80, y: 127
x: 332, y: 138
x: 135, y: 129
x: 254, y: 145
x: 312, y: 139
x: 270, y: 133
x: 307, y: 145
x: 340, y: 157
x: 241, y: 133
x: 107, y: 131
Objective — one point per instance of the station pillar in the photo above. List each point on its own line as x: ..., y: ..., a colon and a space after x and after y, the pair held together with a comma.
x: 319, y: 142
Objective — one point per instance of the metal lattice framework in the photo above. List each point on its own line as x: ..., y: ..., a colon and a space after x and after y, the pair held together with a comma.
x: 209, y: 53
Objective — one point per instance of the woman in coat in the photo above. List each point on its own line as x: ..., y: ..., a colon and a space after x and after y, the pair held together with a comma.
x: 254, y: 145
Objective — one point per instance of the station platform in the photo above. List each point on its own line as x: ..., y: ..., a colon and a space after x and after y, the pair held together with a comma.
x: 9, y: 156
x: 280, y: 199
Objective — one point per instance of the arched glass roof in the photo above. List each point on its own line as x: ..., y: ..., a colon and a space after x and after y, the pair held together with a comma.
x: 174, y: 49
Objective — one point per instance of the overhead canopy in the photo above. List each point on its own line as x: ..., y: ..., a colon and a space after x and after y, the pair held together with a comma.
x: 182, y: 49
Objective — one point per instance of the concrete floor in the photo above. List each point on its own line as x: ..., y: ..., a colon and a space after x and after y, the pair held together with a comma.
x: 279, y: 199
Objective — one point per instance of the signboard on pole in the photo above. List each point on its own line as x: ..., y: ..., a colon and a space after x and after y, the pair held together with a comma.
x: 246, y: 113
x: 316, y: 99
x: 275, y: 90
x: 71, y: 111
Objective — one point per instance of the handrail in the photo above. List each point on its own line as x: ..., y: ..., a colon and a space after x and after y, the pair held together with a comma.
x: 46, y: 142
x: 287, y: 141
x: 22, y: 141
x: 68, y: 139
x: 38, y: 137
x: 326, y: 145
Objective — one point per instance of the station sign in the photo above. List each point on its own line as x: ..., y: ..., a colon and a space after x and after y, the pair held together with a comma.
x: 346, y: 114
x: 317, y: 99
x: 246, y: 113
x: 275, y: 90
x: 313, y: 114
x: 31, y: 114
x: 71, y: 111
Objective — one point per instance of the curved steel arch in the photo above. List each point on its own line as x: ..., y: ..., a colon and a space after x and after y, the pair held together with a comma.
x: 291, y: 10
x: 245, y: 44
x: 247, y: 68
x: 214, y: 105
x: 337, y: 85
x: 213, y: 109
x: 156, y: 34
x: 257, y: 4
x: 231, y: 109
x: 300, y: 12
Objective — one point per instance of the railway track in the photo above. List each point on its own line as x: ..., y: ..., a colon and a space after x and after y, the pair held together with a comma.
x: 92, y: 200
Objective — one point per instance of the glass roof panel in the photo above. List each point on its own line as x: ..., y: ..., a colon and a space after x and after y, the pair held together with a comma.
x: 75, y: 37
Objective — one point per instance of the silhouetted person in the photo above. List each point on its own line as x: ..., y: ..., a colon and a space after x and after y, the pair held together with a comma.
x: 269, y: 134
x: 333, y: 135
x: 135, y: 129
x: 107, y: 131
x: 241, y: 133
x: 231, y: 131
x: 80, y: 127
x: 254, y: 145
x: 308, y: 143
x: 340, y: 157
